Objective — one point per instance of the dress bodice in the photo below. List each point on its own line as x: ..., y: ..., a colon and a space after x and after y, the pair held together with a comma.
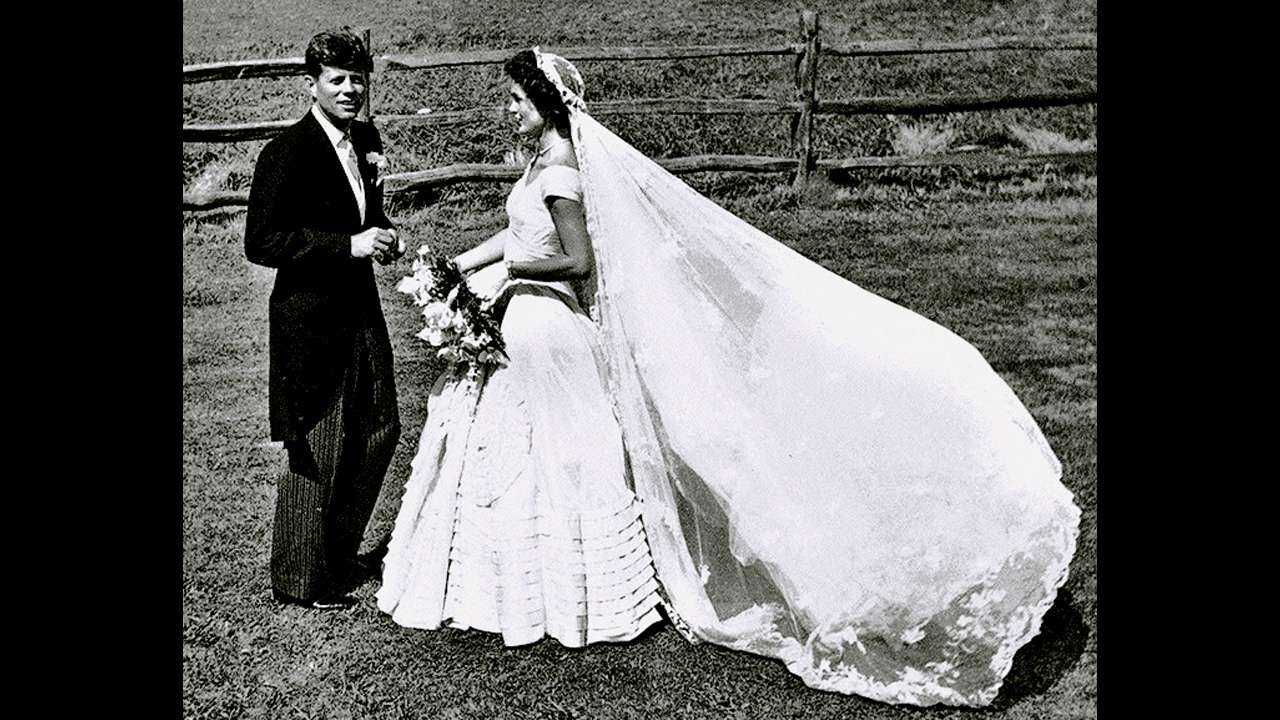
x: 531, y: 233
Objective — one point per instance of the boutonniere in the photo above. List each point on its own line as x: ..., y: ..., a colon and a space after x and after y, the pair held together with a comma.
x: 378, y: 162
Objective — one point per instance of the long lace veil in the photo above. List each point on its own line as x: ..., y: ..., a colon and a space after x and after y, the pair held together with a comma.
x: 827, y: 478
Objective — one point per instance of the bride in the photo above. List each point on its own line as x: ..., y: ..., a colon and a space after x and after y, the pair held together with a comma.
x: 719, y: 428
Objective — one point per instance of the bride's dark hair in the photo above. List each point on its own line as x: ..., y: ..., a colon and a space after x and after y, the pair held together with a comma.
x: 523, y: 68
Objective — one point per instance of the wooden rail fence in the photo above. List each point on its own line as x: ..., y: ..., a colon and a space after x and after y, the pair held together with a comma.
x: 802, y: 110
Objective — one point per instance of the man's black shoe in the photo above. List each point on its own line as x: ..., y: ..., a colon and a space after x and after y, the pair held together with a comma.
x: 336, y: 602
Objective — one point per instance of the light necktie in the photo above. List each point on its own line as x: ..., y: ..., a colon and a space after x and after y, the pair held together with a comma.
x: 353, y: 171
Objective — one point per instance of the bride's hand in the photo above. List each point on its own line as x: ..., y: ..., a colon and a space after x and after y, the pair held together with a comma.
x: 489, y: 281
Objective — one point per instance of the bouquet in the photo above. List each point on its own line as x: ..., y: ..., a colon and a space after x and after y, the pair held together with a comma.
x: 459, y: 323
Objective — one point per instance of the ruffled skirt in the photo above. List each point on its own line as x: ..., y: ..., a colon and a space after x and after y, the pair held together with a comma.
x: 517, y: 518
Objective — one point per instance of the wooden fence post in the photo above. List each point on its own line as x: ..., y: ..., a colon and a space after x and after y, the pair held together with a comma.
x: 807, y: 92
x: 366, y: 112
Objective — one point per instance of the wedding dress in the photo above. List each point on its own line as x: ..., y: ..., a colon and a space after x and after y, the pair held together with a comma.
x: 824, y: 477
x: 517, y: 518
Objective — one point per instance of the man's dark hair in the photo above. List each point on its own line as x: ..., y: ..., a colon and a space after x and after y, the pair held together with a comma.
x: 523, y: 68
x: 336, y: 48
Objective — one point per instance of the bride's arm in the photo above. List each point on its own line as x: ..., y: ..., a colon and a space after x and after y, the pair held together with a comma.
x: 487, y: 252
x: 577, y: 260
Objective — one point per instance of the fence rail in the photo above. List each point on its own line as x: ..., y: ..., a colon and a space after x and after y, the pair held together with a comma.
x: 240, y: 69
x: 960, y: 159
x: 477, y: 172
x: 931, y: 47
x: 287, y: 67
x: 926, y: 105
x: 803, y: 108
x: 954, y: 103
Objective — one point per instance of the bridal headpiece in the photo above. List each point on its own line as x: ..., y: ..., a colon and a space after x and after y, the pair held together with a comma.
x: 564, y: 76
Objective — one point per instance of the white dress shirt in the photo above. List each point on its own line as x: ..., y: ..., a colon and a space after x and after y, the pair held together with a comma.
x: 341, y: 147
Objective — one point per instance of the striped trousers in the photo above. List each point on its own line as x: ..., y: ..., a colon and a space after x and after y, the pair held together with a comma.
x: 326, y: 496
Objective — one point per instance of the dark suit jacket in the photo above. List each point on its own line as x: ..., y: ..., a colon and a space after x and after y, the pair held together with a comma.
x: 301, y: 217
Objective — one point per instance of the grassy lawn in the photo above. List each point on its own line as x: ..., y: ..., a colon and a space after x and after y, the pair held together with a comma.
x: 1007, y: 260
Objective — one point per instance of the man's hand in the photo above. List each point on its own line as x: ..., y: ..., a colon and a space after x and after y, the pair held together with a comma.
x: 373, y: 242
x: 395, y: 252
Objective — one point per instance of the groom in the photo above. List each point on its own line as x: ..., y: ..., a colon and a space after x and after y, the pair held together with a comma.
x: 315, y: 214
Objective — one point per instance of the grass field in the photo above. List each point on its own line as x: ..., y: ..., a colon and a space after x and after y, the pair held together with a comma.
x: 1006, y: 259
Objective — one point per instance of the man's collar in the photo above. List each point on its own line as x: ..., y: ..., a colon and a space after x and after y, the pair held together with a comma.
x: 330, y: 130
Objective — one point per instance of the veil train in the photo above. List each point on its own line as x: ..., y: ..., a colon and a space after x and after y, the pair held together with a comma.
x: 827, y: 478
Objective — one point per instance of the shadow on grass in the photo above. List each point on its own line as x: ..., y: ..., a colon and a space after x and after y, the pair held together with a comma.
x: 1049, y: 656
x: 368, y: 564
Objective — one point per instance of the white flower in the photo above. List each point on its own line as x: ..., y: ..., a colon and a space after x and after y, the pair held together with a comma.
x: 378, y: 162
x: 912, y: 635
x: 438, y: 315
x: 440, y: 321
x: 475, y: 342
x: 433, y: 336
x: 411, y: 285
